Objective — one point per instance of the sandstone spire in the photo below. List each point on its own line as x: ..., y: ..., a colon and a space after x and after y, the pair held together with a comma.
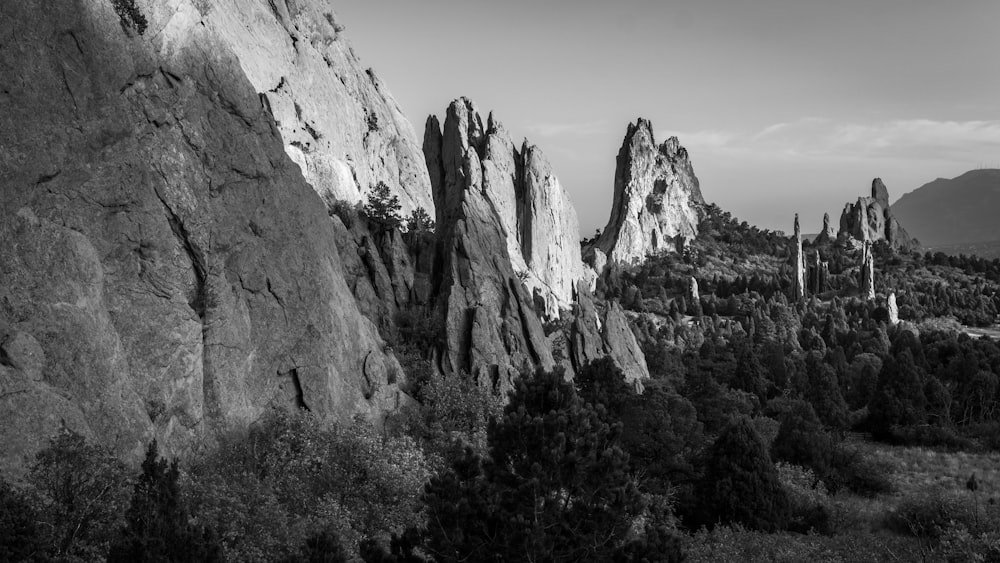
x: 867, y: 271
x: 656, y: 194
x: 870, y: 219
x: 828, y: 233
x: 893, y: 310
x: 799, y: 287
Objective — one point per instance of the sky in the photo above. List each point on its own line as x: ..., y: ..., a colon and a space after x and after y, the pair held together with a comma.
x: 785, y: 106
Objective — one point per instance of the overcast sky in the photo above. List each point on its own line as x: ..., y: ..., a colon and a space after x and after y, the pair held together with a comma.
x: 784, y: 105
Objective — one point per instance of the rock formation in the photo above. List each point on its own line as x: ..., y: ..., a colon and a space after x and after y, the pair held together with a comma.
x: 867, y: 280
x: 656, y: 198
x: 893, y: 310
x: 693, y: 296
x: 338, y: 121
x: 502, y: 218
x: 828, y: 234
x: 870, y: 219
x: 821, y: 272
x: 799, y: 281
x: 166, y: 270
x: 537, y: 221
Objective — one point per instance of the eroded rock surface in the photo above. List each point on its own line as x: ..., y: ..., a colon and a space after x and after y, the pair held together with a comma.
x: 656, y: 197
x: 870, y: 219
x: 166, y: 270
x: 337, y: 119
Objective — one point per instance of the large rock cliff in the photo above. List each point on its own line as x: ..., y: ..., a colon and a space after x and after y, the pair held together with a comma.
x: 338, y: 121
x: 870, y: 219
x: 166, y: 270
x: 656, y: 197
x: 538, y: 224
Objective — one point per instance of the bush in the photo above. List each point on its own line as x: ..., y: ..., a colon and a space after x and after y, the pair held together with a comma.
x: 292, y: 477
x: 808, y: 500
x: 129, y: 15
x: 20, y: 537
x: 83, y: 491
x: 930, y: 516
x: 851, y: 470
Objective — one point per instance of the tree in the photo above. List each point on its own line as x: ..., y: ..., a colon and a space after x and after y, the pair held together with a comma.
x: 419, y: 221
x: 382, y: 209
x: 801, y: 439
x: 899, y: 398
x: 83, y: 491
x: 20, y: 538
x: 740, y: 484
x: 158, y: 527
x: 555, y: 486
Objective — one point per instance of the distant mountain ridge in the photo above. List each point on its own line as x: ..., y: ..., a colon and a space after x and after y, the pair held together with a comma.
x: 961, y: 210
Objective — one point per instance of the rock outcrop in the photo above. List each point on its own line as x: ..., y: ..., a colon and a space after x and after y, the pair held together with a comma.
x: 656, y: 198
x: 867, y: 279
x: 893, y: 309
x: 505, y: 226
x: 538, y: 223
x: 870, y: 219
x: 165, y: 269
x: 828, y: 234
x: 338, y: 121
x: 799, y: 281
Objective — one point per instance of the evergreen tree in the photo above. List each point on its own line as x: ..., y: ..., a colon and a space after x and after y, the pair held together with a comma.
x: 555, y: 486
x: 899, y: 398
x: 158, y: 528
x: 801, y: 439
x: 740, y: 484
x: 20, y: 537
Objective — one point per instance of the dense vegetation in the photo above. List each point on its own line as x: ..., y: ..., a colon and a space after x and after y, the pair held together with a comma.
x: 769, y: 430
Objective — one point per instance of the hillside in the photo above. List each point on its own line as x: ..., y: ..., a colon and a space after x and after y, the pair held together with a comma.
x: 957, y: 211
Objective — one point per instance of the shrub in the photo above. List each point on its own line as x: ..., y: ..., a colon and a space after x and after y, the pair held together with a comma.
x: 808, y: 500
x: 129, y: 15
x: 20, y: 536
x: 292, y: 477
x: 83, y: 491
x: 851, y: 470
x: 930, y: 516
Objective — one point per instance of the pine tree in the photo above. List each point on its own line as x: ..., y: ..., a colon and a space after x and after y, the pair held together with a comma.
x: 740, y: 484
x: 158, y: 527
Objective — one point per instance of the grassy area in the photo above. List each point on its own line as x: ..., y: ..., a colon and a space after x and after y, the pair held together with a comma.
x: 932, y: 516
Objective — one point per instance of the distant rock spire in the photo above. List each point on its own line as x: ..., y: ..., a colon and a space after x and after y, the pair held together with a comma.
x: 818, y: 280
x: 893, y: 310
x: 693, y: 294
x: 867, y: 271
x: 799, y: 290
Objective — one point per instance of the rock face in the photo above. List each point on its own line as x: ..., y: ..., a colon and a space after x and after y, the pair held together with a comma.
x: 338, y: 121
x: 799, y: 281
x: 870, y: 219
x: 656, y: 197
x: 499, y: 210
x: 166, y: 270
x: 867, y: 281
x: 828, y: 234
x: 893, y: 309
x: 538, y: 223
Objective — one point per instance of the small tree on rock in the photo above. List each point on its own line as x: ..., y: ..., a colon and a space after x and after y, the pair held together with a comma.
x: 382, y: 209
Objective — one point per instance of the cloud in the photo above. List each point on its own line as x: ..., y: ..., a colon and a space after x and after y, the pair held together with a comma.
x: 815, y: 138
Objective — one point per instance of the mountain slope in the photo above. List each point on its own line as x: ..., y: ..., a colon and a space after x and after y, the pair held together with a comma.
x: 960, y: 210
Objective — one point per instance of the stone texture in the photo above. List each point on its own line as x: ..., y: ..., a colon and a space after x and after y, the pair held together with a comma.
x: 538, y: 222
x: 870, y: 219
x: 338, y: 121
x: 656, y: 197
x: 893, y: 309
x: 867, y: 279
x: 799, y: 281
x: 593, y: 337
x: 177, y: 273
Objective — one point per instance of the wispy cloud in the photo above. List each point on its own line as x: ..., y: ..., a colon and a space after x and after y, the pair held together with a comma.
x: 815, y: 138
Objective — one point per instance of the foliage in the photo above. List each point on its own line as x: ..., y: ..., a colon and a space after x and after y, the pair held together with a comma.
x: 292, y: 477
x: 157, y: 521
x: 740, y: 484
x: 82, y: 493
x: 382, y: 209
x: 419, y: 221
x: 21, y: 538
x: 555, y: 486
x: 129, y: 15
x: 809, y: 505
x: 801, y: 439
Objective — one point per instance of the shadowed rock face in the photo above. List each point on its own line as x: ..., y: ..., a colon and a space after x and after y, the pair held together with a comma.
x: 656, y: 194
x: 870, y: 219
x: 338, y: 121
x: 519, y: 192
x: 166, y: 270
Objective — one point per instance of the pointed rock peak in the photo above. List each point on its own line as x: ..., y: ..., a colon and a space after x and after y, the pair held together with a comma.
x: 880, y: 193
x: 798, y: 231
